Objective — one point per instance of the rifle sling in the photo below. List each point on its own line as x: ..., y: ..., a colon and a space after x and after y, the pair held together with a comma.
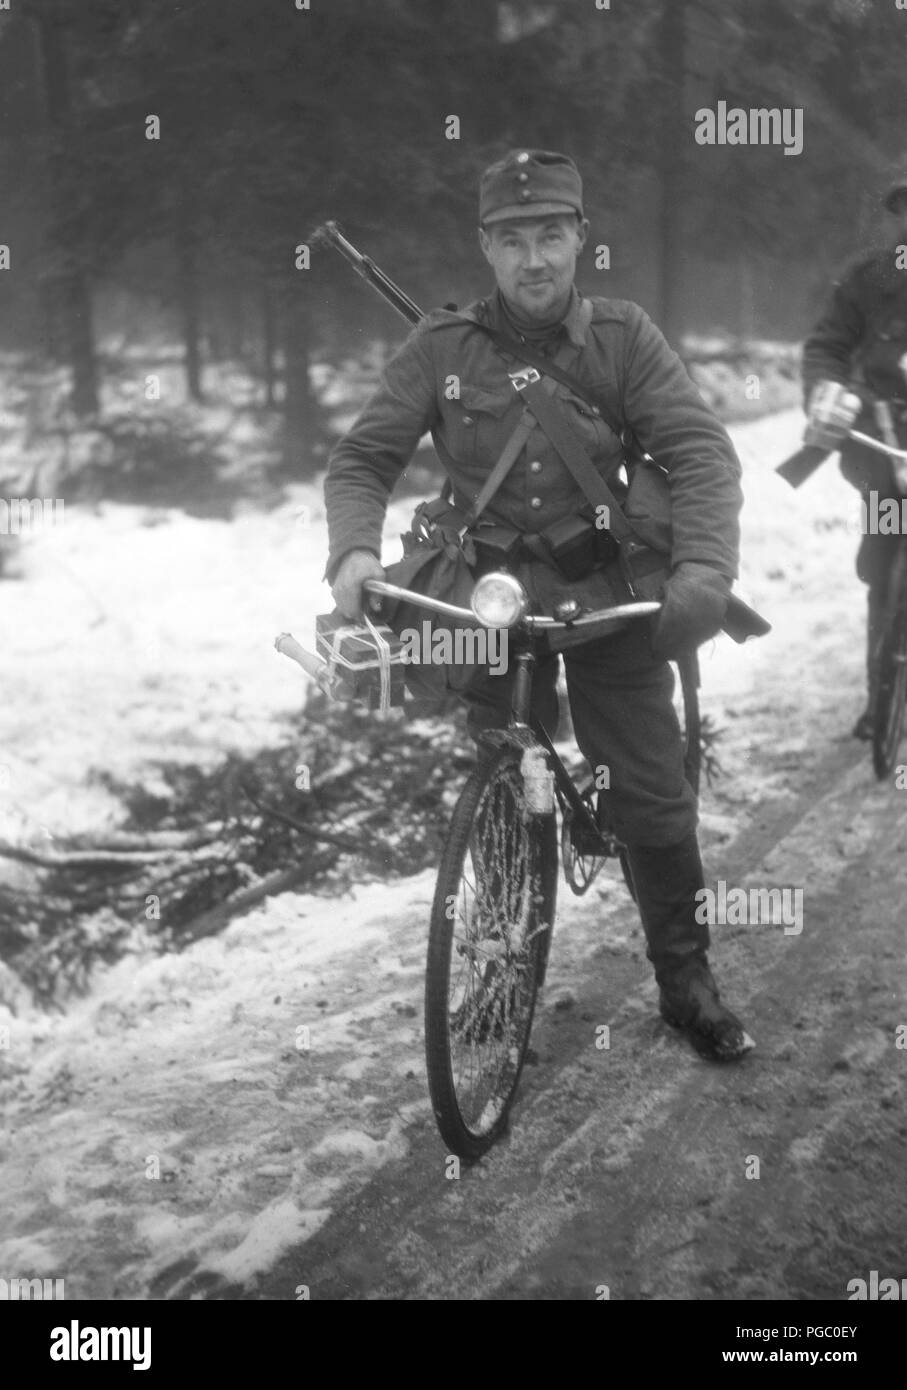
x: 740, y: 620
x: 509, y: 454
x: 514, y: 446
x: 523, y: 352
x: 555, y: 425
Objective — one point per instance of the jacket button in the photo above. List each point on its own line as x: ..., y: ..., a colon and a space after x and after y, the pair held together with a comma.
x: 535, y: 466
x: 535, y: 502
x: 467, y: 419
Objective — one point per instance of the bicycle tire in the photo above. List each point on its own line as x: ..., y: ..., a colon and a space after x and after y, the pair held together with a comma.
x: 888, y: 718
x: 492, y: 918
x: 581, y: 866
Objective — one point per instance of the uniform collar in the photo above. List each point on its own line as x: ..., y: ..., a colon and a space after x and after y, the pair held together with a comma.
x: 574, y: 322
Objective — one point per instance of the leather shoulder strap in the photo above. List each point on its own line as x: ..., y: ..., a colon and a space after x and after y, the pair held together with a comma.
x: 523, y: 352
x: 557, y: 427
x: 740, y: 620
x: 508, y: 457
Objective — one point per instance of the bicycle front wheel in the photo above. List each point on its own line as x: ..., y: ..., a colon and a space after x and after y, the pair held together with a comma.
x: 888, y: 721
x: 491, y: 924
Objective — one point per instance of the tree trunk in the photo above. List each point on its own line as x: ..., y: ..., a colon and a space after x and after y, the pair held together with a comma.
x: 80, y: 333
x: 303, y: 433
x: 672, y: 151
x: 68, y: 283
x: 746, y: 310
x: 190, y: 309
x: 269, y: 344
x: 235, y: 323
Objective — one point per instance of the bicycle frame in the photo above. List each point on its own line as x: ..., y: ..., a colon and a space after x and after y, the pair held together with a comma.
x: 529, y: 628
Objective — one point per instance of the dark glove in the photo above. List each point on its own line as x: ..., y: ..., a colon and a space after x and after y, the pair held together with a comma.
x: 346, y: 590
x: 833, y: 411
x: 692, y: 611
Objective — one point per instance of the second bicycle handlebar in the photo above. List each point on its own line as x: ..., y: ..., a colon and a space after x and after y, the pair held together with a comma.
x: 796, y: 469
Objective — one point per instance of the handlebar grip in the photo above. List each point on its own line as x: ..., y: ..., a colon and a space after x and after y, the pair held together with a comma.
x: 741, y: 621
x: 314, y: 666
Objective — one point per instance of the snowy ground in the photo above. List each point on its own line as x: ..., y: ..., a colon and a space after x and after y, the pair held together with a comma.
x: 198, y: 1116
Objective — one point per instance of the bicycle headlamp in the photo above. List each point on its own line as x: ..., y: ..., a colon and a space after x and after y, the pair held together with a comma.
x: 499, y: 600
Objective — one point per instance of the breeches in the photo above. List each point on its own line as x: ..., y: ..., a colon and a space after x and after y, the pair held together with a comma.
x: 624, y: 720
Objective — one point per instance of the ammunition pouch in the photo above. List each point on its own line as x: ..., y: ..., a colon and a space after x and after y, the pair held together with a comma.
x: 577, y: 546
x: 574, y: 545
x: 497, y: 545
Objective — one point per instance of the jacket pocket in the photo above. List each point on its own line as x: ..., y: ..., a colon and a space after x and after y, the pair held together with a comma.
x: 474, y: 432
x: 598, y: 436
x: 478, y: 399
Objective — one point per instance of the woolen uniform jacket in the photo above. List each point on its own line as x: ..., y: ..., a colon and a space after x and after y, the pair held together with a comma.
x: 449, y: 378
x: 865, y: 324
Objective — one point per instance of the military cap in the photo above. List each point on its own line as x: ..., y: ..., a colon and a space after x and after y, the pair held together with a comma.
x: 530, y: 183
x: 896, y: 189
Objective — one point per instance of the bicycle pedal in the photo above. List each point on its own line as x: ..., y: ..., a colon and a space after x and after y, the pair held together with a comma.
x: 588, y: 844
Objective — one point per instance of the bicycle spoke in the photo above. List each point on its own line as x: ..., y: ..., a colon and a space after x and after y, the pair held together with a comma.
x: 491, y: 933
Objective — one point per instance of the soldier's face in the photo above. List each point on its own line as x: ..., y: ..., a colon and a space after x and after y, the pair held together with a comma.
x: 534, y: 261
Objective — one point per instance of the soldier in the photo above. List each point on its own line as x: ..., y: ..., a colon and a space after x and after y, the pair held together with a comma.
x: 858, y: 344
x: 531, y: 231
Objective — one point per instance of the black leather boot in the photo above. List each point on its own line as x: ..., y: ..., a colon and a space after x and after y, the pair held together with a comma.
x: 666, y: 880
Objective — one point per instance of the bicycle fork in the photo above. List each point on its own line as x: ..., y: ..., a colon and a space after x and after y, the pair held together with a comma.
x: 521, y: 699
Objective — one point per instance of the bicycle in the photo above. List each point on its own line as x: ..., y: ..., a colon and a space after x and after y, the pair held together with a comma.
x: 493, y: 910
x: 890, y: 653
x: 494, y: 905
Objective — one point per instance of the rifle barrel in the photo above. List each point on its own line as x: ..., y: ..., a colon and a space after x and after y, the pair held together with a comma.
x: 365, y: 266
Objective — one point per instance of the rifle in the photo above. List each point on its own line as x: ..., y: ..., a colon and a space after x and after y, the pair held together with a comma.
x: 740, y: 622
x: 330, y: 233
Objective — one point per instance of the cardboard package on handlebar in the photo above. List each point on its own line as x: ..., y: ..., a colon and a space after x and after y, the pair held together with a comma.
x: 366, y: 657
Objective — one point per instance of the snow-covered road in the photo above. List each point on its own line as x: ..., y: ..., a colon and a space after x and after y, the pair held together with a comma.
x: 251, y: 1115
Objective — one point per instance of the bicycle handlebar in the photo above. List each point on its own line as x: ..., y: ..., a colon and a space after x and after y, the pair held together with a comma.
x: 318, y: 668
x: 879, y: 445
x: 796, y: 469
x: 534, y: 622
x: 382, y: 589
